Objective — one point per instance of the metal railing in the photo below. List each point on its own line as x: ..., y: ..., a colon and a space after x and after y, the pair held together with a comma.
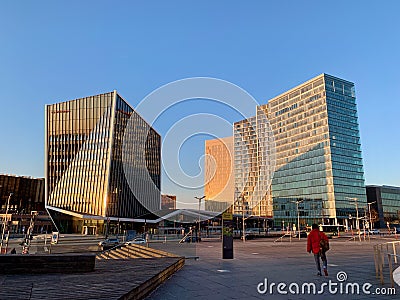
x: 190, y: 234
x: 385, y: 255
x: 287, y: 234
x: 107, y: 252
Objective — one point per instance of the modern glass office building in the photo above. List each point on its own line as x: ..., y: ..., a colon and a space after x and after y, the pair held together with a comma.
x: 219, y: 179
x: 168, y: 202
x: 27, y: 194
x: 300, y: 155
x: 384, y: 205
x: 102, y: 163
x: 254, y: 164
x: 319, y: 171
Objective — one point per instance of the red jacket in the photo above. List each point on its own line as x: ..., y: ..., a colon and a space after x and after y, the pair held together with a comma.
x: 313, y: 240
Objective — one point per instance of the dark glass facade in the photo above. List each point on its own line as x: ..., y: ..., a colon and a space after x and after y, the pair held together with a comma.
x: 345, y: 145
x: 86, y: 182
x: 168, y: 202
x: 384, y: 202
x: 27, y: 194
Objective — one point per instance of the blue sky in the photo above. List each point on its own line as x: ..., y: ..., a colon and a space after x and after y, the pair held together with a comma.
x: 54, y: 51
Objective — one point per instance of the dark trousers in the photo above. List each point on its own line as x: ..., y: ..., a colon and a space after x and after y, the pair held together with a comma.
x: 324, y: 261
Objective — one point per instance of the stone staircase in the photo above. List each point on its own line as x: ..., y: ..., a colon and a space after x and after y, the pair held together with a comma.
x: 132, y: 251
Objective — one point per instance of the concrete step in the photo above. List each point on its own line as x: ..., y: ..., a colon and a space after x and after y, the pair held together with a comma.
x: 108, y: 255
x: 140, y: 254
x: 101, y: 256
x: 155, y: 251
x: 128, y: 253
x: 144, y: 250
x: 121, y: 251
x: 118, y: 253
x: 133, y: 251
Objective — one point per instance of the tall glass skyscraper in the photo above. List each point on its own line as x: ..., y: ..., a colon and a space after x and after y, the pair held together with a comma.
x: 319, y: 171
x: 254, y: 163
x: 219, y: 180
x: 318, y: 163
x: 90, y: 169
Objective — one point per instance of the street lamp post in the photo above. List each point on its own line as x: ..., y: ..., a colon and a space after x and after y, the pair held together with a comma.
x: 117, y: 200
x: 199, y: 198
x: 243, y: 224
x: 357, y: 222
x: 238, y: 197
x: 298, y: 215
x: 369, y: 210
x: 357, y: 219
x: 107, y: 225
x: 4, y: 223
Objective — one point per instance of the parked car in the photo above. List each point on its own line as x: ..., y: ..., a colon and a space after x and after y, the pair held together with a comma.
x: 374, y: 231
x: 396, y: 230
x: 108, y: 243
x: 136, y: 241
x: 303, y: 234
x: 192, y: 239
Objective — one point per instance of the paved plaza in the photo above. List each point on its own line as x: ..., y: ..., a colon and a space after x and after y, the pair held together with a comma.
x: 206, y: 276
x: 111, y: 279
x: 255, y: 261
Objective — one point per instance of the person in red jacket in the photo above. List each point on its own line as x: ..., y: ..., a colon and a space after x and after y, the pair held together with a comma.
x: 313, y: 245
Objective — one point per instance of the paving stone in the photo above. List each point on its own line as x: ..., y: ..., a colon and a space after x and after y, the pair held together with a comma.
x: 278, y: 262
x: 110, y: 280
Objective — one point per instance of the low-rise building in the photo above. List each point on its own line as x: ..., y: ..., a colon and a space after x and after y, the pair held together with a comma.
x: 168, y: 202
x: 27, y: 194
x: 384, y: 204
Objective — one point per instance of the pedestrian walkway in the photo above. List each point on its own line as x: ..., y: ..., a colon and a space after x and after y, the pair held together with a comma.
x: 259, y: 262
